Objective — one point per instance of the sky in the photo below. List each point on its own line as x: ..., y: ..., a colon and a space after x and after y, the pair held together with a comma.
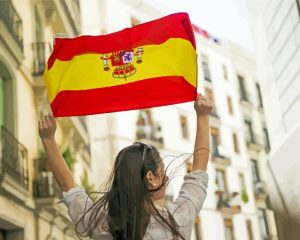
x: 224, y: 19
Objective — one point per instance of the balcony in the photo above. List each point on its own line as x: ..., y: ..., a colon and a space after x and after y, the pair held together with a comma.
x: 39, y: 57
x: 226, y: 203
x: 44, y: 186
x: 149, y: 133
x: 153, y: 138
x: 47, y: 194
x: 13, y: 165
x: 12, y: 21
x: 255, y: 142
x: 245, y: 100
x: 11, y: 29
x: 220, y: 159
x: 67, y: 10
x: 260, y: 190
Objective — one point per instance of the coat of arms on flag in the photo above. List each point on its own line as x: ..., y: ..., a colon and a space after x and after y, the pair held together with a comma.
x: 123, y: 62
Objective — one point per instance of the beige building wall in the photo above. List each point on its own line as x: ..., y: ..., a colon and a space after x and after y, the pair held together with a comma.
x: 28, y: 195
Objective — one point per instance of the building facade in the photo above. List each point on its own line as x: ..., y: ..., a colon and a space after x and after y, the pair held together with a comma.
x: 234, y: 209
x: 256, y: 136
x: 276, y: 33
x: 29, y: 197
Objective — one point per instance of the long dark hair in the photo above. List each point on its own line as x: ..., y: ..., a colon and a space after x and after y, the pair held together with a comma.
x: 127, y: 204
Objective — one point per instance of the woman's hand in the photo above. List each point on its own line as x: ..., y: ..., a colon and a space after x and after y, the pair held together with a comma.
x: 203, y: 106
x: 47, y: 127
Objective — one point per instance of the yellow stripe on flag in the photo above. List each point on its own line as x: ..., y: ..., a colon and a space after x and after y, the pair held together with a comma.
x: 85, y: 72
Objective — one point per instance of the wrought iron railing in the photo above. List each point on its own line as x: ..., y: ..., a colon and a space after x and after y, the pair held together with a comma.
x: 45, y: 186
x: 12, y: 21
x: 39, y: 58
x: 14, y: 160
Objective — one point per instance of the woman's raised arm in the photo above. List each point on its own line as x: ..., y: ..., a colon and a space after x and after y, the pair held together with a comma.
x: 55, y: 162
x: 203, y: 106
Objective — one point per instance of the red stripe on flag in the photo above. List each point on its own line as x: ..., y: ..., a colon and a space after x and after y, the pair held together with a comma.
x: 154, y: 32
x: 137, y: 95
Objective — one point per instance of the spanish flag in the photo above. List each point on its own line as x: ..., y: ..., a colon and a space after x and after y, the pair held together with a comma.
x: 148, y: 65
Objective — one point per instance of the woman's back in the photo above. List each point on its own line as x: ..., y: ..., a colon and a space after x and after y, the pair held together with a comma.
x: 184, y: 210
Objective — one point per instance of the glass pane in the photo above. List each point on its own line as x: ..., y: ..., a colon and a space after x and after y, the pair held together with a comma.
x: 262, y: 223
x: 255, y: 173
x: 228, y: 234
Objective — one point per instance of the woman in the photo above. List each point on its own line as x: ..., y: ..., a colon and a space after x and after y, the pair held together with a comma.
x: 133, y: 205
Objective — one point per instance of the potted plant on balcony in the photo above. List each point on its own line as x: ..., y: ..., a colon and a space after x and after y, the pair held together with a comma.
x: 244, y: 196
x: 67, y: 155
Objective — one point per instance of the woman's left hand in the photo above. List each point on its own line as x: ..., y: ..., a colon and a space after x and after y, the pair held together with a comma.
x: 203, y: 105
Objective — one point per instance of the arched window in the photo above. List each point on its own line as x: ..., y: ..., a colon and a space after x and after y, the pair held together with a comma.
x: 6, y: 99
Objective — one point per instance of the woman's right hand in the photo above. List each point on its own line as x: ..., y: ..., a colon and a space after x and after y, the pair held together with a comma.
x: 47, y: 127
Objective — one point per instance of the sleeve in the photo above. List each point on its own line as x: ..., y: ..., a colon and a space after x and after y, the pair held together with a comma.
x: 79, y: 204
x: 190, y: 200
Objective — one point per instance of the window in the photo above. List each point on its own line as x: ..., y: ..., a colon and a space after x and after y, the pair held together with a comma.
x: 134, y: 22
x: 209, y: 94
x: 197, y: 228
x: 221, y: 180
x: 243, y: 92
x: 229, y: 103
x: 235, y: 143
x: 144, y: 125
x: 249, y: 131
x: 249, y: 230
x: 39, y: 46
x: 215, y: 139
x: 12, y: 232
x: 225, y: 73
x: 147, y: 128
x: 255, y: 172
x: 228, y: 229
x: 266, y: 139
x: 242, y: 181
x: 184, y: 127
x: 259, y: 96
x: 263, y: 225
x: 205, y: 67
x: 6, y: 99
x: 2, y: 234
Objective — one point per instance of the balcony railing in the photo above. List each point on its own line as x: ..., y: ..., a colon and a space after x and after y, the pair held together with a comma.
x: 260, y: 190
x: 255, y: 142
x: 150, y: 134
x: 14, y: 161
x: 39, y: 58
x: 225, y: 203
x: 44, y: 186
x: 12, y: 21
x: 220, y: 159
